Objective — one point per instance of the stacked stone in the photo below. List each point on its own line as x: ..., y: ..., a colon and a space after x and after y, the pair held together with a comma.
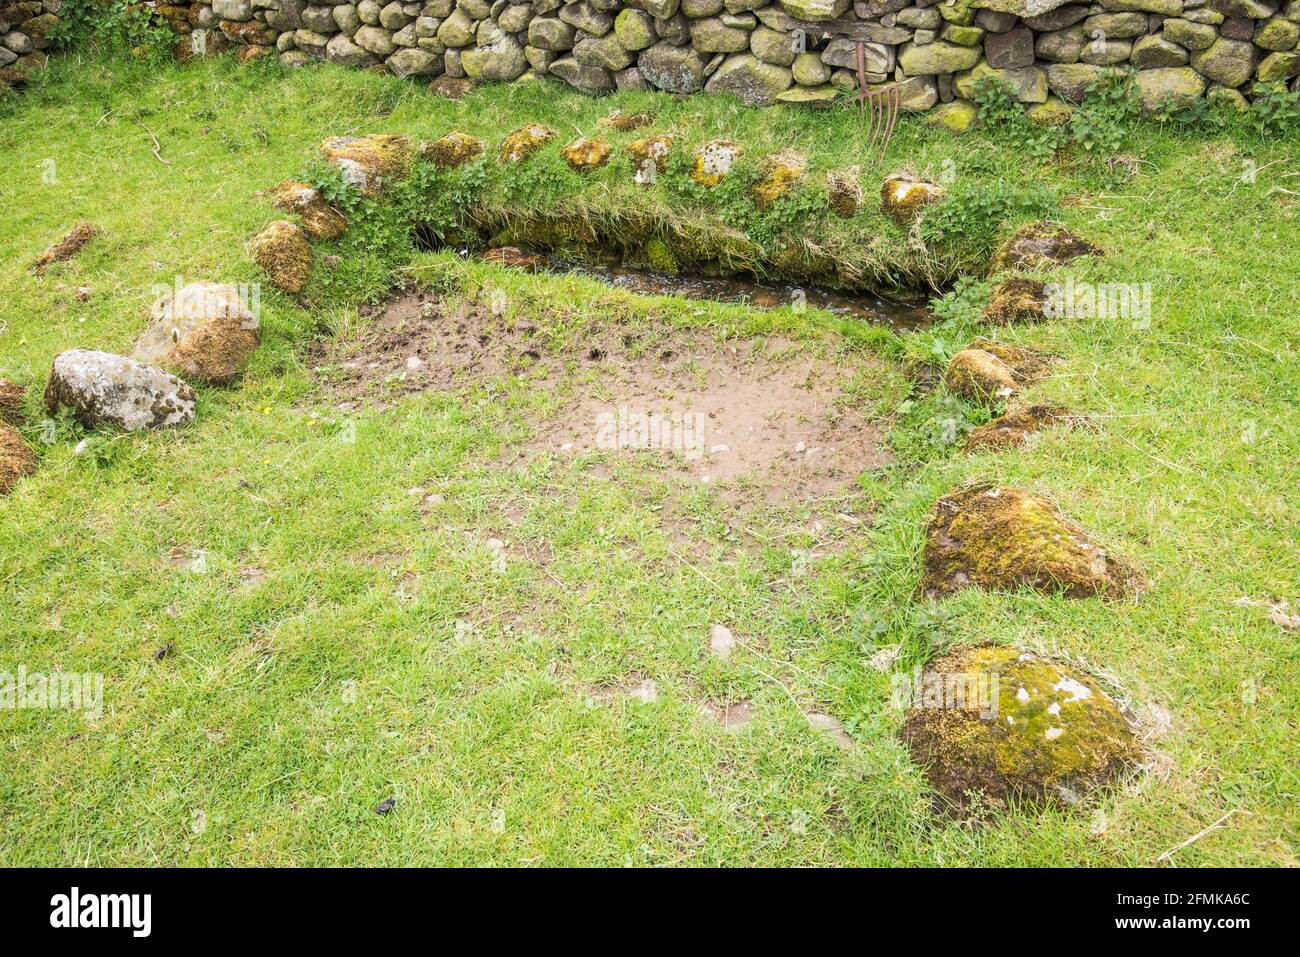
x: 797, y: 50
x: 25, y: 27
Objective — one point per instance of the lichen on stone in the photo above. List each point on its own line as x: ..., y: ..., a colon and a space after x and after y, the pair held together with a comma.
x: 454, y: 149
x: 523, y: 142
x: 902, y: 198
x: 205, y: 331
x: 1004, y: 538
x: 1041, y: 734
x: 370, y: 162
x: 713, y: 161
x: 282, y: 250
x: 780, y: 174
x: 586, y: 154
x: 1015, y: 428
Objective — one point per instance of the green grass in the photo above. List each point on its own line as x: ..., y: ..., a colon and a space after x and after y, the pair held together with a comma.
x: 383, y: 655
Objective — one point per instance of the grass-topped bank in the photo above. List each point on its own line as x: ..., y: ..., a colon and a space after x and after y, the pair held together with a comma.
x: 354, y: 577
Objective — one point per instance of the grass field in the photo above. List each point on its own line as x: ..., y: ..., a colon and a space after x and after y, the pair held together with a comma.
x: 343, y: 641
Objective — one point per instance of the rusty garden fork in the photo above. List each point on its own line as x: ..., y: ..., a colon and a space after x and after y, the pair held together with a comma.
x: 881, y: 105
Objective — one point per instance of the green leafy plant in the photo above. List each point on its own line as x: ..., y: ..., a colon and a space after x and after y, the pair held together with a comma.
x: 1274, y: 110
x: 1101, y: 124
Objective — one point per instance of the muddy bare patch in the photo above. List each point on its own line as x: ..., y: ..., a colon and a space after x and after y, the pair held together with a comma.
x: 766, y: 419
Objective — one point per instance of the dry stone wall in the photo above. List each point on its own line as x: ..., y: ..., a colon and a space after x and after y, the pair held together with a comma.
x: 25, y: 29
x: 764, y: 51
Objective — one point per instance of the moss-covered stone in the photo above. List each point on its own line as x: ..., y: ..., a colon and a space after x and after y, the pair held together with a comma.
x: 320, y: 220
x: 370, y: 162
x: 454, y: 149
x: 713, y: 161
x: 12, y: 396
x: 956, y: 117
x: 844, y: 191
x: 523, y: 142
x: 1014, y: 429
x: 1004, y: 538
x: 585, y: 155
x: 781, y: 173
x: 661, y: 257
x: 991, y: 372
x: 282, y: 250
x: 1037, y: 732
x: 206, y: 332
x: 17, y: 461
x: 902, y: 198
x: 1041, y: 246
x: 1016, y: 300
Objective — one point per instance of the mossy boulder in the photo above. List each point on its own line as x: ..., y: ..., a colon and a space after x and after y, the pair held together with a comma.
x: 11, y: 402
x: 1016, y: 300
x: 1005, y: 538
x: 206, y: 332
x: 320, y: 220
x: 282, y: 250
x: 713, y: 161
x: 902, y: 198
x: 844, y: 191
x: 370, y: 162
x: 957, y: 117
x: 17, y: 460
x: 751, y: 80
x: 1038, y: 733
x: 781, y: 173
x: 1014, y: 429
x: 454, y: 149
x: 1041, y: 246
x: 585, y: 154
x: 989, y: 372
x: 814, y: 97
x: 523, y: 142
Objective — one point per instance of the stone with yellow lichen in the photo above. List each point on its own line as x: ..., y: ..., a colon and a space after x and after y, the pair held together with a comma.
x: 1004, y: 538
x: 780, y: 174
x: 844, y: 191
x: 282, y: 250
x: 713, y: 161
x: 320, y: 220
x: 524, y: 142
x: 649, y: 157
x: 993, y: 371
x: 902, y: 198
x: 995, y: 725
x: 1015, y: 428
x: 454, y: 149
x: 585, y: 155
x: 370, y: 162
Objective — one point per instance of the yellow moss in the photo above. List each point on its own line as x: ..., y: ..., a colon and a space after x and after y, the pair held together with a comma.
x: 523, y: 142
x: 989, y: 372
x: 1053, y: 735
x: 780, y: 174
x: 1004, y: 538
x: 17, y: 460
x: 902, y: 198
x: 661, y: 257
x: 1016, y: 300
x: 320, y: 220
x: 585, y: 154
x: 713, y: 161
x: 454, y: 149
x: 370, y: 162
x: 282, y: 250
